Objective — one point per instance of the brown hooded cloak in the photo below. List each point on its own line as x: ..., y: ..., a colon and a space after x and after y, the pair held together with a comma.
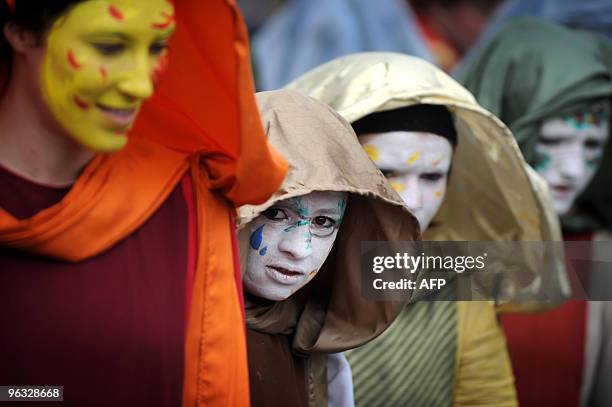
x: 288, y: 340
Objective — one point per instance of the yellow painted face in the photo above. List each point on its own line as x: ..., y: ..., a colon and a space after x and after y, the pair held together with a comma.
x: 102, y: 61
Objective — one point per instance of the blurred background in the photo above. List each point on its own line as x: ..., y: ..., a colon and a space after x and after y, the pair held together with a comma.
x: 289, y: 37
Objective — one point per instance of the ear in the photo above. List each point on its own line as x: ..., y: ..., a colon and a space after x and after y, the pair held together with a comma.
x: 21, y: 41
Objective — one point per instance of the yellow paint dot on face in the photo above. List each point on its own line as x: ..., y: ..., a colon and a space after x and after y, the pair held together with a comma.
x: 414, y: 158
x: 438, y: 194
x: 398, y: 186
x: 371, y: 151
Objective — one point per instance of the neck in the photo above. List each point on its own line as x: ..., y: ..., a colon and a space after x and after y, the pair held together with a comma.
x: 33, y: 146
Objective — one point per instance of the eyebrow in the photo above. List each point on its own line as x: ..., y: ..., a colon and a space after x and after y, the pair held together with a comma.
x: 166, y: 33
x: 326, y: 211
x: 323, y: 211
x: 102, y: 33
x: 162, y: 35
x: 599, y: 137
x: 565, y: 133
x: 284, y: 206
x: 568, y: 134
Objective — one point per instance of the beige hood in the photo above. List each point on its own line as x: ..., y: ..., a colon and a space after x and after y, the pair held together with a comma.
x: 330, y: 314
x: 493, y: 195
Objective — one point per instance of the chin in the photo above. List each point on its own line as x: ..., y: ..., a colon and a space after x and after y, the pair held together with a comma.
x: 562, y: 208
x: 277, y: 297
x: 106, y: 143
x: 271, y: 295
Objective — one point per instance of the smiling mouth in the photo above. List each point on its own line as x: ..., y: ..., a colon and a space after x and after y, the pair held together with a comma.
x: 122, y: 118
x: 283, y: 275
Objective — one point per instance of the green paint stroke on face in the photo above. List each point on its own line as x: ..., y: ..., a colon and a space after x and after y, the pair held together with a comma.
x: 302, y: 222
x: 542, y: 161
x: 577, y: 122
x: 593, y: 163
x: 298, y: 206
x: 308, y: 239
x: 342, y: 209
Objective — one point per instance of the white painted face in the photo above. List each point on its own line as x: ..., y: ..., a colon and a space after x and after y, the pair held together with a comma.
x: 416, y: 165
x: 290, y: 241
x: 569, y: 152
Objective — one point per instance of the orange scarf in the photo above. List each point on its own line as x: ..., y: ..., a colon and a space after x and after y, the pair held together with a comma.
x: 202, y: 119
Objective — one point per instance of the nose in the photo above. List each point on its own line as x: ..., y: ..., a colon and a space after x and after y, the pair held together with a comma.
x: 412, y: 195
x: 137, y: 82
x: 573, y: 165
x: 296, y: 243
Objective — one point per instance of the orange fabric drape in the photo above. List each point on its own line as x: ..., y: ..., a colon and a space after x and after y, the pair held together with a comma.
x: 205, y: 102
x: 114, y: 195
x: 202, y: 118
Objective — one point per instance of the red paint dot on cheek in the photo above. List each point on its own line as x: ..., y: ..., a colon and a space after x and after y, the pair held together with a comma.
x: 115, y: 12
x: 103, y: 73
x: 72, y: 60
x: 81, y: 103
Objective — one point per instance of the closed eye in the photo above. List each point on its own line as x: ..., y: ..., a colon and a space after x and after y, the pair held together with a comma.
x: 551, y: 141
x: 275, y: 214
x: 109, y: 48
x: 157, y: 48
x: 431, y: 176
x: 593, y: 144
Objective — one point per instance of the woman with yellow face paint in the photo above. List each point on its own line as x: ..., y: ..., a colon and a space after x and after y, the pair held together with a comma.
x: 118, y: 266
x: 95, y: 76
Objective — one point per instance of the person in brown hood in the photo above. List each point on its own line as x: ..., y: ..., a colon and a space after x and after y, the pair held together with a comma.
x: 301, y: 252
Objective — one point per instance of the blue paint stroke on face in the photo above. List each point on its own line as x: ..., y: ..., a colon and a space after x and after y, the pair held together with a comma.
x: 257, y: 238
x: 263, y: 251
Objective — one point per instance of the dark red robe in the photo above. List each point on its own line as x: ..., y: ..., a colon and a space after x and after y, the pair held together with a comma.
x: 109, y: 329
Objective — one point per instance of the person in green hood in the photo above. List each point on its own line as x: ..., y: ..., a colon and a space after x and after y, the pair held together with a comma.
x: 552, y: 86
